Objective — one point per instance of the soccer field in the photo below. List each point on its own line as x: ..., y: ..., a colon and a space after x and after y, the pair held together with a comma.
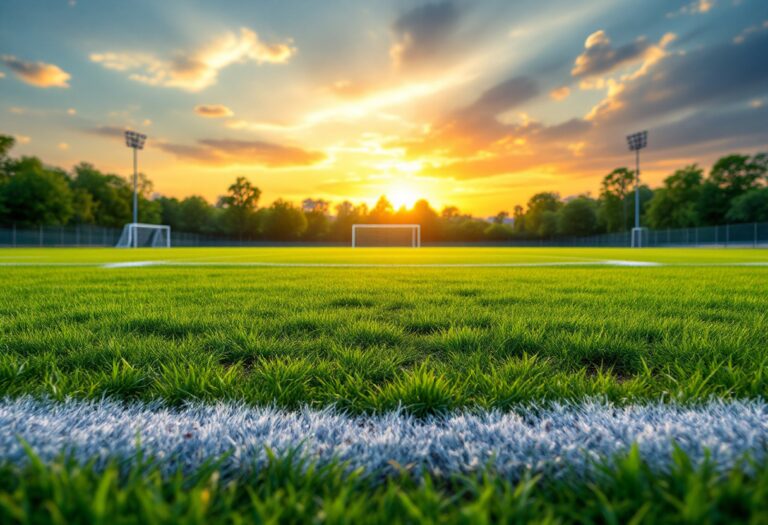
x: 586, y: 364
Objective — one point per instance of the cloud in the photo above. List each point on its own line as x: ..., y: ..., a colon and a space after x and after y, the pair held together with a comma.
x: 22, y: 139
x: 71, y: 111
x: 63, y: 146
x: 350, y: 90
x: 473, y: 127
x: 600, y: 57
x: 719, y: 75
x: 506, y: 95
x: 560, y: 93
x: 741, y: 37
x: 696, y: 7
x: 213, y: 110
x: 243, y: 152
x: 475, y: 141
x: 37, y: 74
x: 2, y: 75
x: 423, y: 32
x: 199, y: 69
x: 113, y: 132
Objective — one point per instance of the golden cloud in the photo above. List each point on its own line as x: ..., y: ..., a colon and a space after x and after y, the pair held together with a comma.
x: 213, y: 110
x: 39, y: 74
x: 225, y: 152
x: 560, y: 93
x: 197, y: 70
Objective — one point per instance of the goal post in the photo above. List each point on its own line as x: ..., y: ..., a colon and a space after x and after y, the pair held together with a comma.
x: 385, y: 235
x: 639, y: 237
x: 139, y: 235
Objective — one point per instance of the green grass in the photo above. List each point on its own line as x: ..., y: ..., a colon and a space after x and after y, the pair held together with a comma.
x: 382, y: 255
x: 369, y: 339
x: 290, y: 492
x: 372, y: 339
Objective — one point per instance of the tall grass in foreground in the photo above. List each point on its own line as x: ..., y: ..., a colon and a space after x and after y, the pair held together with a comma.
x: 369, y: 340
x: 290, y: 492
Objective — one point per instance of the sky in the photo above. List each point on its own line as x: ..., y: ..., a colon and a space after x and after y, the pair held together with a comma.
x: 477, y: 104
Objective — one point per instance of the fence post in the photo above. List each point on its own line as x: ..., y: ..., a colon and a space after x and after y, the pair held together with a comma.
x: 755, y: 242
x: 727, y: 234
x: 696, y: 236
x: 41, y: 235
x: 14, y: 235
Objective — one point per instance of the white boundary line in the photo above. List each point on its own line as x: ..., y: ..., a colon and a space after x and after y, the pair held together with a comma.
x: 564, y: 438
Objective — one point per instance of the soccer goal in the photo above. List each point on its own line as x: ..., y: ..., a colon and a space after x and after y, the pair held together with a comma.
x: 369, y: 235
x: 138, y: 235
x: 639, y: 237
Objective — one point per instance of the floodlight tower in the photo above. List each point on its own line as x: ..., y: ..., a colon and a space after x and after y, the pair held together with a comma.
x: 636, y: 142
x: 135, y: 141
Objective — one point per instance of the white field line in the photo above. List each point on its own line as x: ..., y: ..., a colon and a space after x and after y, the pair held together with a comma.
x: 132, y: 264
x: 632, y: 263
x: 561, y: 439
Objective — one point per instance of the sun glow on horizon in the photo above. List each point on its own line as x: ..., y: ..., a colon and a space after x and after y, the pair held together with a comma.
x: 402, y: 195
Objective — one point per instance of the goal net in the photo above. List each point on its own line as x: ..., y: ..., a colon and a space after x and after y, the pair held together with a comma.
x: 369, y: 235
x: 137, y: 235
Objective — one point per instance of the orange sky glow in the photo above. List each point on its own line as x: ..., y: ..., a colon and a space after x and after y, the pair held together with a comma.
x: 476, y: 105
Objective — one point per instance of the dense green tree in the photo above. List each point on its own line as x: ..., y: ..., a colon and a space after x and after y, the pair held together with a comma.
x: 675, y: 205
x: 497, y: 231
x: 615, y: 200
x: 283, y: 222
x: 518, y: 215
x: 578, y: 217
x: 318, y: 223
x: 6, y: 145
x: 541, y: 216
x: 423, y: 214
x: 730, y: 177
x: 34, y: 195
x: 751, y: 206
x: 240, y: 206
x: 500, y: 217
x: 111, y: 195
x: 196, y: 215
x: 548, y: 224
x: 83, y: 207
x: 170, y: 212
x: 347, y: 214
x: 382, y: 212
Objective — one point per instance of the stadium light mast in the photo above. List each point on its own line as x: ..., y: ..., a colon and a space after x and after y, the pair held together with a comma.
x: 636, y: 142
x: 135, y: 141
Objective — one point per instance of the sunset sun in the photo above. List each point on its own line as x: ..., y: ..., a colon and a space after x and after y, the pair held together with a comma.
x: 402, y: 195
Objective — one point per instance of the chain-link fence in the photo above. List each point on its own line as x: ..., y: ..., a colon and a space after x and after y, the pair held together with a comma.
x: 753, y: 235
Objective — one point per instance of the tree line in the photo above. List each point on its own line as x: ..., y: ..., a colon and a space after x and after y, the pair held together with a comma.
x: 32, y: 194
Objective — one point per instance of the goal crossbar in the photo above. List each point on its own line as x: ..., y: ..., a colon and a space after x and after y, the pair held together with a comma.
x: 415, y: 236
